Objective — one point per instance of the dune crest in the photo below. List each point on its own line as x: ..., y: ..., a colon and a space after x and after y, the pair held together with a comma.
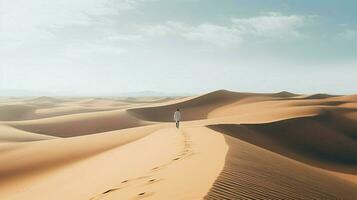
x: 80, y: 124
x: 193, y: 109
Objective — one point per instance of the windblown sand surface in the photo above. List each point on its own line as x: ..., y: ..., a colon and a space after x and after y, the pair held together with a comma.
x: 230, y: 146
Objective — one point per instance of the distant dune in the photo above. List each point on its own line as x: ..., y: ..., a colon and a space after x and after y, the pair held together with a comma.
x: 231, y: 145
x: 45, y: 99
x: 80, y: 124
x: 284, y: 94
x: 10, y: 134
x: 46, y: 107
x: 193, y: 109
x: 319, y: 96
x: 15, y: 112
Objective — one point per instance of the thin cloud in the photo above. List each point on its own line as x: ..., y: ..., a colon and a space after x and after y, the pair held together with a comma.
x: 272, y: 25
x: 347, y: 35
x: 22, y: 20
x: 89, y: 50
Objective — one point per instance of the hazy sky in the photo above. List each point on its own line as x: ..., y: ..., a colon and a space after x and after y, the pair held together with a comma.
x: 178, y: 46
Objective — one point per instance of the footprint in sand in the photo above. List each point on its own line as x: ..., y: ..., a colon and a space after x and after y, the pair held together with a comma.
x: 144, y: 195
x: 111, y: 190
x: 104, y: 193
x: 152, y: 181
x: 155, y: 168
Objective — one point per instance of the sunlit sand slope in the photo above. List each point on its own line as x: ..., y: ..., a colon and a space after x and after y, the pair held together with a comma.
x: 10, y: 134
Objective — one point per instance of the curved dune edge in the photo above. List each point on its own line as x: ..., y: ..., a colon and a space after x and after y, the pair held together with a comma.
x: 314, y: 140
x: 10, y: 134
x: 20, y: 109
x: 255, y: 173
x: 80, y: 124
x: 158, y: 166
x: 188, y: 175
x: 25, y: 161
x: 223, y: 103
x: 195, y: 108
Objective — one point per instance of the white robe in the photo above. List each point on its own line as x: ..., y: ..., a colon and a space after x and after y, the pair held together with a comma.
x: 177, y: 116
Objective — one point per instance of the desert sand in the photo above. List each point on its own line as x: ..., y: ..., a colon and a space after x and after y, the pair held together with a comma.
x: 230, y: 145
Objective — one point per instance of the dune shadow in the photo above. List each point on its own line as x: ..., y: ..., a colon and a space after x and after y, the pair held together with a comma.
x: 252, y: 172
x: 324, y: 141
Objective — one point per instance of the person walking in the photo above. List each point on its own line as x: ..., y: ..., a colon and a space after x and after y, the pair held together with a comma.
x: 177, y: 117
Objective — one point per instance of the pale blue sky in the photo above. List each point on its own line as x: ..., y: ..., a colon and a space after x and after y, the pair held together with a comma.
x: 96, y: 47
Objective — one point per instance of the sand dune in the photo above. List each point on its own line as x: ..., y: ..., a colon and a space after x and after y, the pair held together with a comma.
x: 43, y: 157
x: 64, y: 110
x: 252, y: 172
x: 314, y: 140
x: 80, y: 124
x: 15, y: 112
x: 10, y: 134
x: 193, y: 109
x: 15, y: 109
x: 284, y: 94
x: 348, y: 98
x: 206, y: 106
x: 231, y: 145
x: 45, y: 99
x: 71, y: 150
x: 196, y: 108
x: 319, y: 96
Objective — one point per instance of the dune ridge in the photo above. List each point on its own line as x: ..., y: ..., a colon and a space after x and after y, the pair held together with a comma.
x: 10, y: 134
x: 199, y: 107
x: 80, y: 124
x: 62, y: 151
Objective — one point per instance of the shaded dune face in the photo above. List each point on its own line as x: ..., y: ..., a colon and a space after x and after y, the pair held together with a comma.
x: 320, y: 96
x: 326, y: 141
